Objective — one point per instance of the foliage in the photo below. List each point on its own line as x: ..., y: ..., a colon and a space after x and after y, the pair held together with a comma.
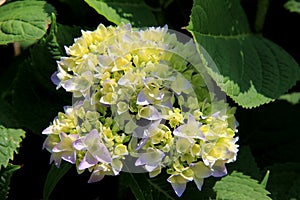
x: 18, y: 26
x: 5, y: 176
x: 293, y: 6
x: 292, y: 98
x: 239, y: 186
x: 251, y: 53
x: 251, y: 72
x: 10, y: 140
x: 282, y: 187
x: 53, y: 177
x: 135, y: 12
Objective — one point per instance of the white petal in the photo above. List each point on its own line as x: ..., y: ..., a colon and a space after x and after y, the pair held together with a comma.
x: 178, y: 188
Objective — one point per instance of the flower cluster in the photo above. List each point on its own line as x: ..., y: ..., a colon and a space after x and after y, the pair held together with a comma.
x: 139, y: 95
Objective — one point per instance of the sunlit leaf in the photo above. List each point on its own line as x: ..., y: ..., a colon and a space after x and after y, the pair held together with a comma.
x: 10, y: 140
x: 293, y: 6
x: 249, y: 68
x: 292, y: 98
x: 238, y: 186
x: 264, y: 182
x: 23, y: 21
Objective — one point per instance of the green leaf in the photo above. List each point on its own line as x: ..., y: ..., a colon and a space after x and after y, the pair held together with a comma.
x: 8, y: 116
x: 65, y: 35
x: 293, y: 6
x: 239, y: 186
x: 5, y: 175
x: 28, y: 98
x: 29, y: 92
x: 51, y: 40
x: 292, y: 98
x: 53, y: 177
x: 10, y: 140
x: 249, y: 68
x: 23, y: 21
x: 135, y: 12
x: 58, y: 37
x: 265, y: 179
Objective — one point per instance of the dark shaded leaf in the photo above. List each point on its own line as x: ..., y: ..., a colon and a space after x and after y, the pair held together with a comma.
x: 135, y: 12
x: 284, y: 181
x: 53, y: 177
x: 5, y: 175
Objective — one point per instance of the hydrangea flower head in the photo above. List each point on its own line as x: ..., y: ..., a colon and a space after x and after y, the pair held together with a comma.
x: 140, y: 95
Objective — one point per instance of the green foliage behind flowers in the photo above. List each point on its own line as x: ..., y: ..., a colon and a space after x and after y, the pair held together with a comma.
x: 158, y: 111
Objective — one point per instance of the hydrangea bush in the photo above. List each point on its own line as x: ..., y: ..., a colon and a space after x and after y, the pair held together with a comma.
x: 144, y: 105
x: 142, y: 102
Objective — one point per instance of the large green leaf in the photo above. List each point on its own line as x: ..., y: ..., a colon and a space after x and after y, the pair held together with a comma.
x: 238, y: 186
x: 22, y: 21
x: 249, y: 68
x: 135, y: 12
x: 10, y: 140
x: 5, y: 175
